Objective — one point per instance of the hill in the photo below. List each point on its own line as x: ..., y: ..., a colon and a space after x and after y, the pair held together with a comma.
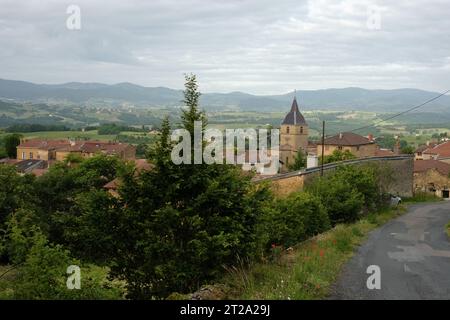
x: 98, y: 94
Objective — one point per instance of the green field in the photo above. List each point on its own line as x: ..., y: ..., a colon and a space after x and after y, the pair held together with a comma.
x: 88, y: 135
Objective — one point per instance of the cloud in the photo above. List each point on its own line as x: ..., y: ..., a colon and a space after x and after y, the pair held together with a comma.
x: 256, y: 46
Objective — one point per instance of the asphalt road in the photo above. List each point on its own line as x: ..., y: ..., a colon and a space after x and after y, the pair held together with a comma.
x: 413, y: 253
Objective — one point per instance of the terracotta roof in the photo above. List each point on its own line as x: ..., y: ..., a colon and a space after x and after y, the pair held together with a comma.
x: 9, y: 161
x: 347, y: 139
x: 424, y: 165
x: 44, y: 144
x: 294, y: 117
x: 141, y: 165
x: 96, y: 146
x: 112, y: 185
x: 442, y: 150
x: 81, y: 146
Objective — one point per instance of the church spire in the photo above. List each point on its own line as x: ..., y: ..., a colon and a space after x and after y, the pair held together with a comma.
x: 294, y: 117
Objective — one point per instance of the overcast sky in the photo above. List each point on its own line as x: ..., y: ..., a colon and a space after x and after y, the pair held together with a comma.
x: 255, y: 46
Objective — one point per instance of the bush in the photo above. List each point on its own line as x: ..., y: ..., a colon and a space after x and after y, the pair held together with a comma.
x: 363, y: 179
x: 43, y: 276
x: 294, y: 219
x: 341, y: 199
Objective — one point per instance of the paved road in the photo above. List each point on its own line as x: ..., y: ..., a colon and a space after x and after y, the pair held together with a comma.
x: 413, y: 253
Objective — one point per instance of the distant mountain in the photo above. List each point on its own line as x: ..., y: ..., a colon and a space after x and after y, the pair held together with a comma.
x: 128, y: 93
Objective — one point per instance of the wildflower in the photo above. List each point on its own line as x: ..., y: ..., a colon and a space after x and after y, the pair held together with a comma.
x: 322, y: 252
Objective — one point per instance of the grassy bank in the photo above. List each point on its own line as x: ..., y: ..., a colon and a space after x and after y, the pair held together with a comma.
x: 447, y: 229
x: 308, y: 270
x: 422, y: 197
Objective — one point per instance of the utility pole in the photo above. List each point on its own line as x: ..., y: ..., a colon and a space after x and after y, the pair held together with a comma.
x: 323, y: 146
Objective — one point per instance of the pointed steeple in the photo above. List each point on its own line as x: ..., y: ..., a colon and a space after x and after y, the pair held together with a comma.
x: 294, y: 117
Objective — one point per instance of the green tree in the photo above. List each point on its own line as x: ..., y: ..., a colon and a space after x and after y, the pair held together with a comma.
x: 338, y: 155
x: 294, y: 219
x: 341, y: 199
x: 181, y: 223
x: 407, y: 150
x: 11, y: 142
x: 15, y: 192
x: 299, y: 161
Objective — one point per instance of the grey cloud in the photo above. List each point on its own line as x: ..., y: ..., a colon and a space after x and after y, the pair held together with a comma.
x: 257, y: 46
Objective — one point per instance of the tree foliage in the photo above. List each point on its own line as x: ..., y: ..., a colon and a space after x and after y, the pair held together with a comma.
x: 299, y: 161
x: 11, y: 142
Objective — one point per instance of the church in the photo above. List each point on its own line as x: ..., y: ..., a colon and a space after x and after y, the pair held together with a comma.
x: 293, y: 136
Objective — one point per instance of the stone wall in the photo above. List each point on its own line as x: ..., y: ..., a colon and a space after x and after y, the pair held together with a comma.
x: 398, y: 179
x: 431, y: 179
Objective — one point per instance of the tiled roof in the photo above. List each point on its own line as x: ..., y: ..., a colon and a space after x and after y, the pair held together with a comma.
x: 141, y: 165
x: 81, y: 146
x: 347, y: 139
x: 294, y: 117
x: 424, y: 165
x: 442, y: 150
x: 44, y: 144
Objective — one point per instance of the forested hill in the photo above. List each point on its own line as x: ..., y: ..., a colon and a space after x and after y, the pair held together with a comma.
x: 95, y: 94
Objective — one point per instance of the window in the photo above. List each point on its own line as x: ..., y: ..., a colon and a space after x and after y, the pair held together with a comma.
x: 31, y: 155
x: 301, y: 129
x: 357, y: 148
x: 339, y: 147
x: 287, y: 129
x: 287, y: 161
x: 23, y: 155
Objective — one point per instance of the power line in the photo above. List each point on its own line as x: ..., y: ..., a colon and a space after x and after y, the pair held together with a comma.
x: 402, y: 113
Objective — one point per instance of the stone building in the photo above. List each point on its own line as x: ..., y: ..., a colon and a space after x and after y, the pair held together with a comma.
x: 432, y: 176
x: 48, y: 150
x: 435, y: 151
x: 358, y: 145
x: 293, y: 136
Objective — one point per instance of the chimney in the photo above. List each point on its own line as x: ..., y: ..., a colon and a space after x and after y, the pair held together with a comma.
x: 340, y: 135
x: 370, y: 137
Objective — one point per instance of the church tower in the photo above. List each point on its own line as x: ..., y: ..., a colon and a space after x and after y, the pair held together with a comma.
x: 293, y: 136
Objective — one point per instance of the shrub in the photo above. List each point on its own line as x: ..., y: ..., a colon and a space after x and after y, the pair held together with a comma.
x: 294, y: 219
x: 342, y: 200
x: 43, y: 276
x: 363, y: 179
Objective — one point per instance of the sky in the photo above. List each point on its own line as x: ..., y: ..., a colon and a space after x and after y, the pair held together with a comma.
x: 253, y: 46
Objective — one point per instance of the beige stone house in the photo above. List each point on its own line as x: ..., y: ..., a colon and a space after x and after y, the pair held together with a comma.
x: 49, y: 150
x: 437, y: 152
x: 358, y: 145
x: 432, y: 176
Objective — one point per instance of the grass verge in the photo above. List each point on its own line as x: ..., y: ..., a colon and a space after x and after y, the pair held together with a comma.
x: 447, y: 229
x: 422, y: 197
x: 309, y: 269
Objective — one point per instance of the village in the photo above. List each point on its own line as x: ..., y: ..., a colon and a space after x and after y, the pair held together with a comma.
x: 431, y: 170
